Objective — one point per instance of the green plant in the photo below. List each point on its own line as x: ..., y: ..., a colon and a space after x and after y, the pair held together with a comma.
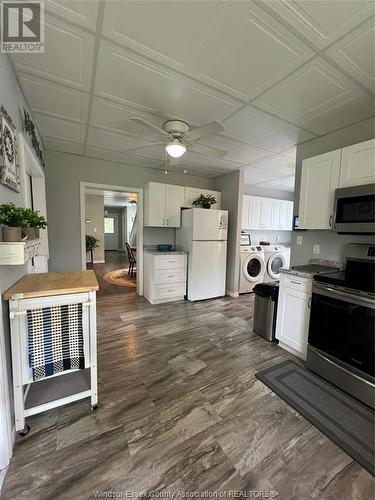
x: 13, y: 216
x: 34, y: 219
x: 205, y: 200
x: 91, y: 242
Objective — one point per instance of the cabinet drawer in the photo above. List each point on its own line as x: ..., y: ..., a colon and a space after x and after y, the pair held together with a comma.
x: 296, y: 282
x: 174, y: 290
x: 162, y: 276
x: 169, y: 261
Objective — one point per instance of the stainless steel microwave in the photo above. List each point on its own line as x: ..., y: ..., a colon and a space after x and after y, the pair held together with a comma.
x: 354, y: 210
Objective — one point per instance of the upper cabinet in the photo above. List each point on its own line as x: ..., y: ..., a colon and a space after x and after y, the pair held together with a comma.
x: 358, y: 164
x: 321, y: 175
x: 192, y: 194
x: 319, y: 179
x: 163, y: 204
x: 266, y: 213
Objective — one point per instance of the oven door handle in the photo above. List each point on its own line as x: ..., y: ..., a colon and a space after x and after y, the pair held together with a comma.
x: 346, y: 296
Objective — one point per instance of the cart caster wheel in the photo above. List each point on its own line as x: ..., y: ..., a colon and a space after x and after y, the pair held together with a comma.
x: 25, y: 431
x: 94, y: 407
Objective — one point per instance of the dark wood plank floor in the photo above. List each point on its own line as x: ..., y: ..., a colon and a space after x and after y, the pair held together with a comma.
x: 181, y: 409
x: 113, y: 260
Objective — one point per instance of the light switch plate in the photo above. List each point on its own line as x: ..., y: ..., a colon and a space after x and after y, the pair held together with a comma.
x: 316, y: 249
x: 299, y: 240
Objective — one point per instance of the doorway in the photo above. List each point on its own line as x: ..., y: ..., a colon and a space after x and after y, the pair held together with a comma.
x: 113, y: 216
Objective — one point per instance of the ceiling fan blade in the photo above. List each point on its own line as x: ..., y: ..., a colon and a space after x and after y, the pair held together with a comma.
x: 207, y: 150
x: 147, y: 124
x: 203, y: 131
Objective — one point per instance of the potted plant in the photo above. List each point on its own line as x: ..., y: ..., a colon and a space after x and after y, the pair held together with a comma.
x: 205, y: 201
x: 14, y: 219
x: 91, y: 243
x: 35, y: 222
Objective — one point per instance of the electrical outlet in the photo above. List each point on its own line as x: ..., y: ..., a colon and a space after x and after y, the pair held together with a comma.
x: 316, y: 249
x: 299, y: 240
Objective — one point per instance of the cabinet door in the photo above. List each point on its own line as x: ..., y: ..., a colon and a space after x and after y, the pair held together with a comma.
x: 289, y: 215
x: 174, y: 200
x: 254, y: 212
x: 276, y: 214
x: 245, y: 212
x: 293, y: 317
x: 155, y: 204
x: 320, y: 178
x: 358, y: 164
x: 266, y: 205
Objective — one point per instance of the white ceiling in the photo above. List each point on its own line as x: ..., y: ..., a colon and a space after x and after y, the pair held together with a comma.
x: 112, y: 198
x: 274, y: 73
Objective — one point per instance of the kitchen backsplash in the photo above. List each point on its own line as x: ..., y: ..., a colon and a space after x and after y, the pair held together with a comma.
x: 274, y: 237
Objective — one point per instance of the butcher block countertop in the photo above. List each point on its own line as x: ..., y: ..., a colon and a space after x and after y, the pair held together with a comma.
x: 46, y: 284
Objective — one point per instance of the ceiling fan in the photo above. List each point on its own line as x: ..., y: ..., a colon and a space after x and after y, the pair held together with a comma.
x: 179, y: 137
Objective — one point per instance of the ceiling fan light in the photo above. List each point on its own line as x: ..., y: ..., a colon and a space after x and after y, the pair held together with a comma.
x: 175, y: 148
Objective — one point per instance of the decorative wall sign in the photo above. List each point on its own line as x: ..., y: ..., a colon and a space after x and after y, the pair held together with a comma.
x: 30, y: 130
x: 9, y: 175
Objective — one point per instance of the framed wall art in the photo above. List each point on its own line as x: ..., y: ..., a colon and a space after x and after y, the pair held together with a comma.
x: 32, y: 134
x: 9, y: 173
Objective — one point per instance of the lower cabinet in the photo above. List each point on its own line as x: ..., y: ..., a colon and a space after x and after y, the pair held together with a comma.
x: 164, y: 276
x: 293, y: 314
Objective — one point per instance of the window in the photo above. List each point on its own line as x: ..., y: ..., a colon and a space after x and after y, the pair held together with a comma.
x: 109, y: 225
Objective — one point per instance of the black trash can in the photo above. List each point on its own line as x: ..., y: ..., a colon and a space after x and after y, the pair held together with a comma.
x: 265, y: 310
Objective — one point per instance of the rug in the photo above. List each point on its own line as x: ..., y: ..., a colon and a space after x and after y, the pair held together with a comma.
x: 343, y: 419
x: 120, y: 278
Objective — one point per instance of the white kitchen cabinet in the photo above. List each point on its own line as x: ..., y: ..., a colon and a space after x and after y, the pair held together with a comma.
x: 266, y: 208
x: 293, y: 314
x: 358, y: 164
x: 255, y: 212
x: 164, y: 276
x: 163, y: 204
x: 245, y: 212
x: 319, y: 179
x: 191, y: 194
x: 266, y: 214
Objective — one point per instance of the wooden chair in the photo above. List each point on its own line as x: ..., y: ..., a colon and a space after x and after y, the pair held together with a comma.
x: 132, y: 260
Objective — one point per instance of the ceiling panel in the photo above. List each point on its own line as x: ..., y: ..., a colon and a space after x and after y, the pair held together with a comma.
x: 274, y: 162
x: 236, y: 53
x: 60, y: 129
x: 81, y: 12
x: 237, y: 151
x: 297, y: 99
x: 322, y: 22
x: 262, y: 130
x: 355, y: 53
x: 120, y: 156
x: 166, y: 31
x: 53, y: 144
x: 137, y: 82
x: 54, y: 99
x: 68, y: 57
x: 103, y: 139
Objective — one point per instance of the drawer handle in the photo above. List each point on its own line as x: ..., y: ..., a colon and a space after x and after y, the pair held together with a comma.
x: 296, y: 282
x: 171, y: 276
x: 171, y: 290
x: 171, y: 261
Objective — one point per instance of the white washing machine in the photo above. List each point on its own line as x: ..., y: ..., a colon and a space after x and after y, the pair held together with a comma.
x: 275, y: 256
x: 252, y: 267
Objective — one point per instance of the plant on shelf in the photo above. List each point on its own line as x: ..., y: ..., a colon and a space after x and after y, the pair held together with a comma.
x: 20, y: 223
x: 205, y: 201
x: 35, y: 222
x: 91, y: 244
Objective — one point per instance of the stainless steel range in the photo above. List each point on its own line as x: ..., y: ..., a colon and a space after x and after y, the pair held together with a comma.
x: 342, y: 325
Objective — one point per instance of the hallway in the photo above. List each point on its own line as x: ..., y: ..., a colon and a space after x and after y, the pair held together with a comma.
x: 113, y: 260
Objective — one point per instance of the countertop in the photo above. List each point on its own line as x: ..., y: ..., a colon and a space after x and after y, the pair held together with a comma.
x: 159, y: 252
x: 46, y: 284
x: 321, y: 267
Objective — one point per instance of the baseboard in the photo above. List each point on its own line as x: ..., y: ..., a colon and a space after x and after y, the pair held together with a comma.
x: 232, y: 294
x: 96, y: 261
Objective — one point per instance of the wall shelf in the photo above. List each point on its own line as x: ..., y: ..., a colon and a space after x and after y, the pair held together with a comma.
x: 18, y: 253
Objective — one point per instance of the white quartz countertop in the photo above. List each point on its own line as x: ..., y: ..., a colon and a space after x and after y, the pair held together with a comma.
x: 160, y: 252
x: 315, y: 266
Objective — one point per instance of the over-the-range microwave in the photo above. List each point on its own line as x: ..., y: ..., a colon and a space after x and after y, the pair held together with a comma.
x: 354, y: 210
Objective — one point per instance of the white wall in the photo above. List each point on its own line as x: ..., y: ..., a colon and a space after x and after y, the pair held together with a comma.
x: 231, y: 187
x: 95, y: 212
x: 12, y: 99
x: 63, y: 176
x: 332, y: 245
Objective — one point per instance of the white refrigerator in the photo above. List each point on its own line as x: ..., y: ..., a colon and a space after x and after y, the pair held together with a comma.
x: 203, y: 235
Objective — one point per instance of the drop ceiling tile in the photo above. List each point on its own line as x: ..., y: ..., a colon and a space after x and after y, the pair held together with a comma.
x: 262, y: 130
x: 247, y: 51
x: 209, y: 162
x: 54, y: 99
x: 322, y: 22
x: 168, y: 32
x: 288, y: 170
x: 237, y: 151
x: 260, y: 173
x: 81, y: 12
x: 53, y: 144
x: 120, y: 156
x: 356, y: 54
x: 311, y: 90
x: 60, y: 129
x: 157, y: 152
x: 274, y: 162
x: 103, y: 139
x: 68, y: 56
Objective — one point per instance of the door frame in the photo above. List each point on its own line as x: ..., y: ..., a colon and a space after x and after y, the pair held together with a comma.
x: 115, y: 216
x: 108, y: 187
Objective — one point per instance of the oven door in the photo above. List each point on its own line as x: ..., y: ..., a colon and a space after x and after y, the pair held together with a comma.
x: 355, y: 209
x: 342, y: 326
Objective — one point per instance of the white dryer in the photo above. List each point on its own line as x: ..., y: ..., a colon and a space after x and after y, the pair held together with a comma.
x: 252, y: 267
x: 275, y: 256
